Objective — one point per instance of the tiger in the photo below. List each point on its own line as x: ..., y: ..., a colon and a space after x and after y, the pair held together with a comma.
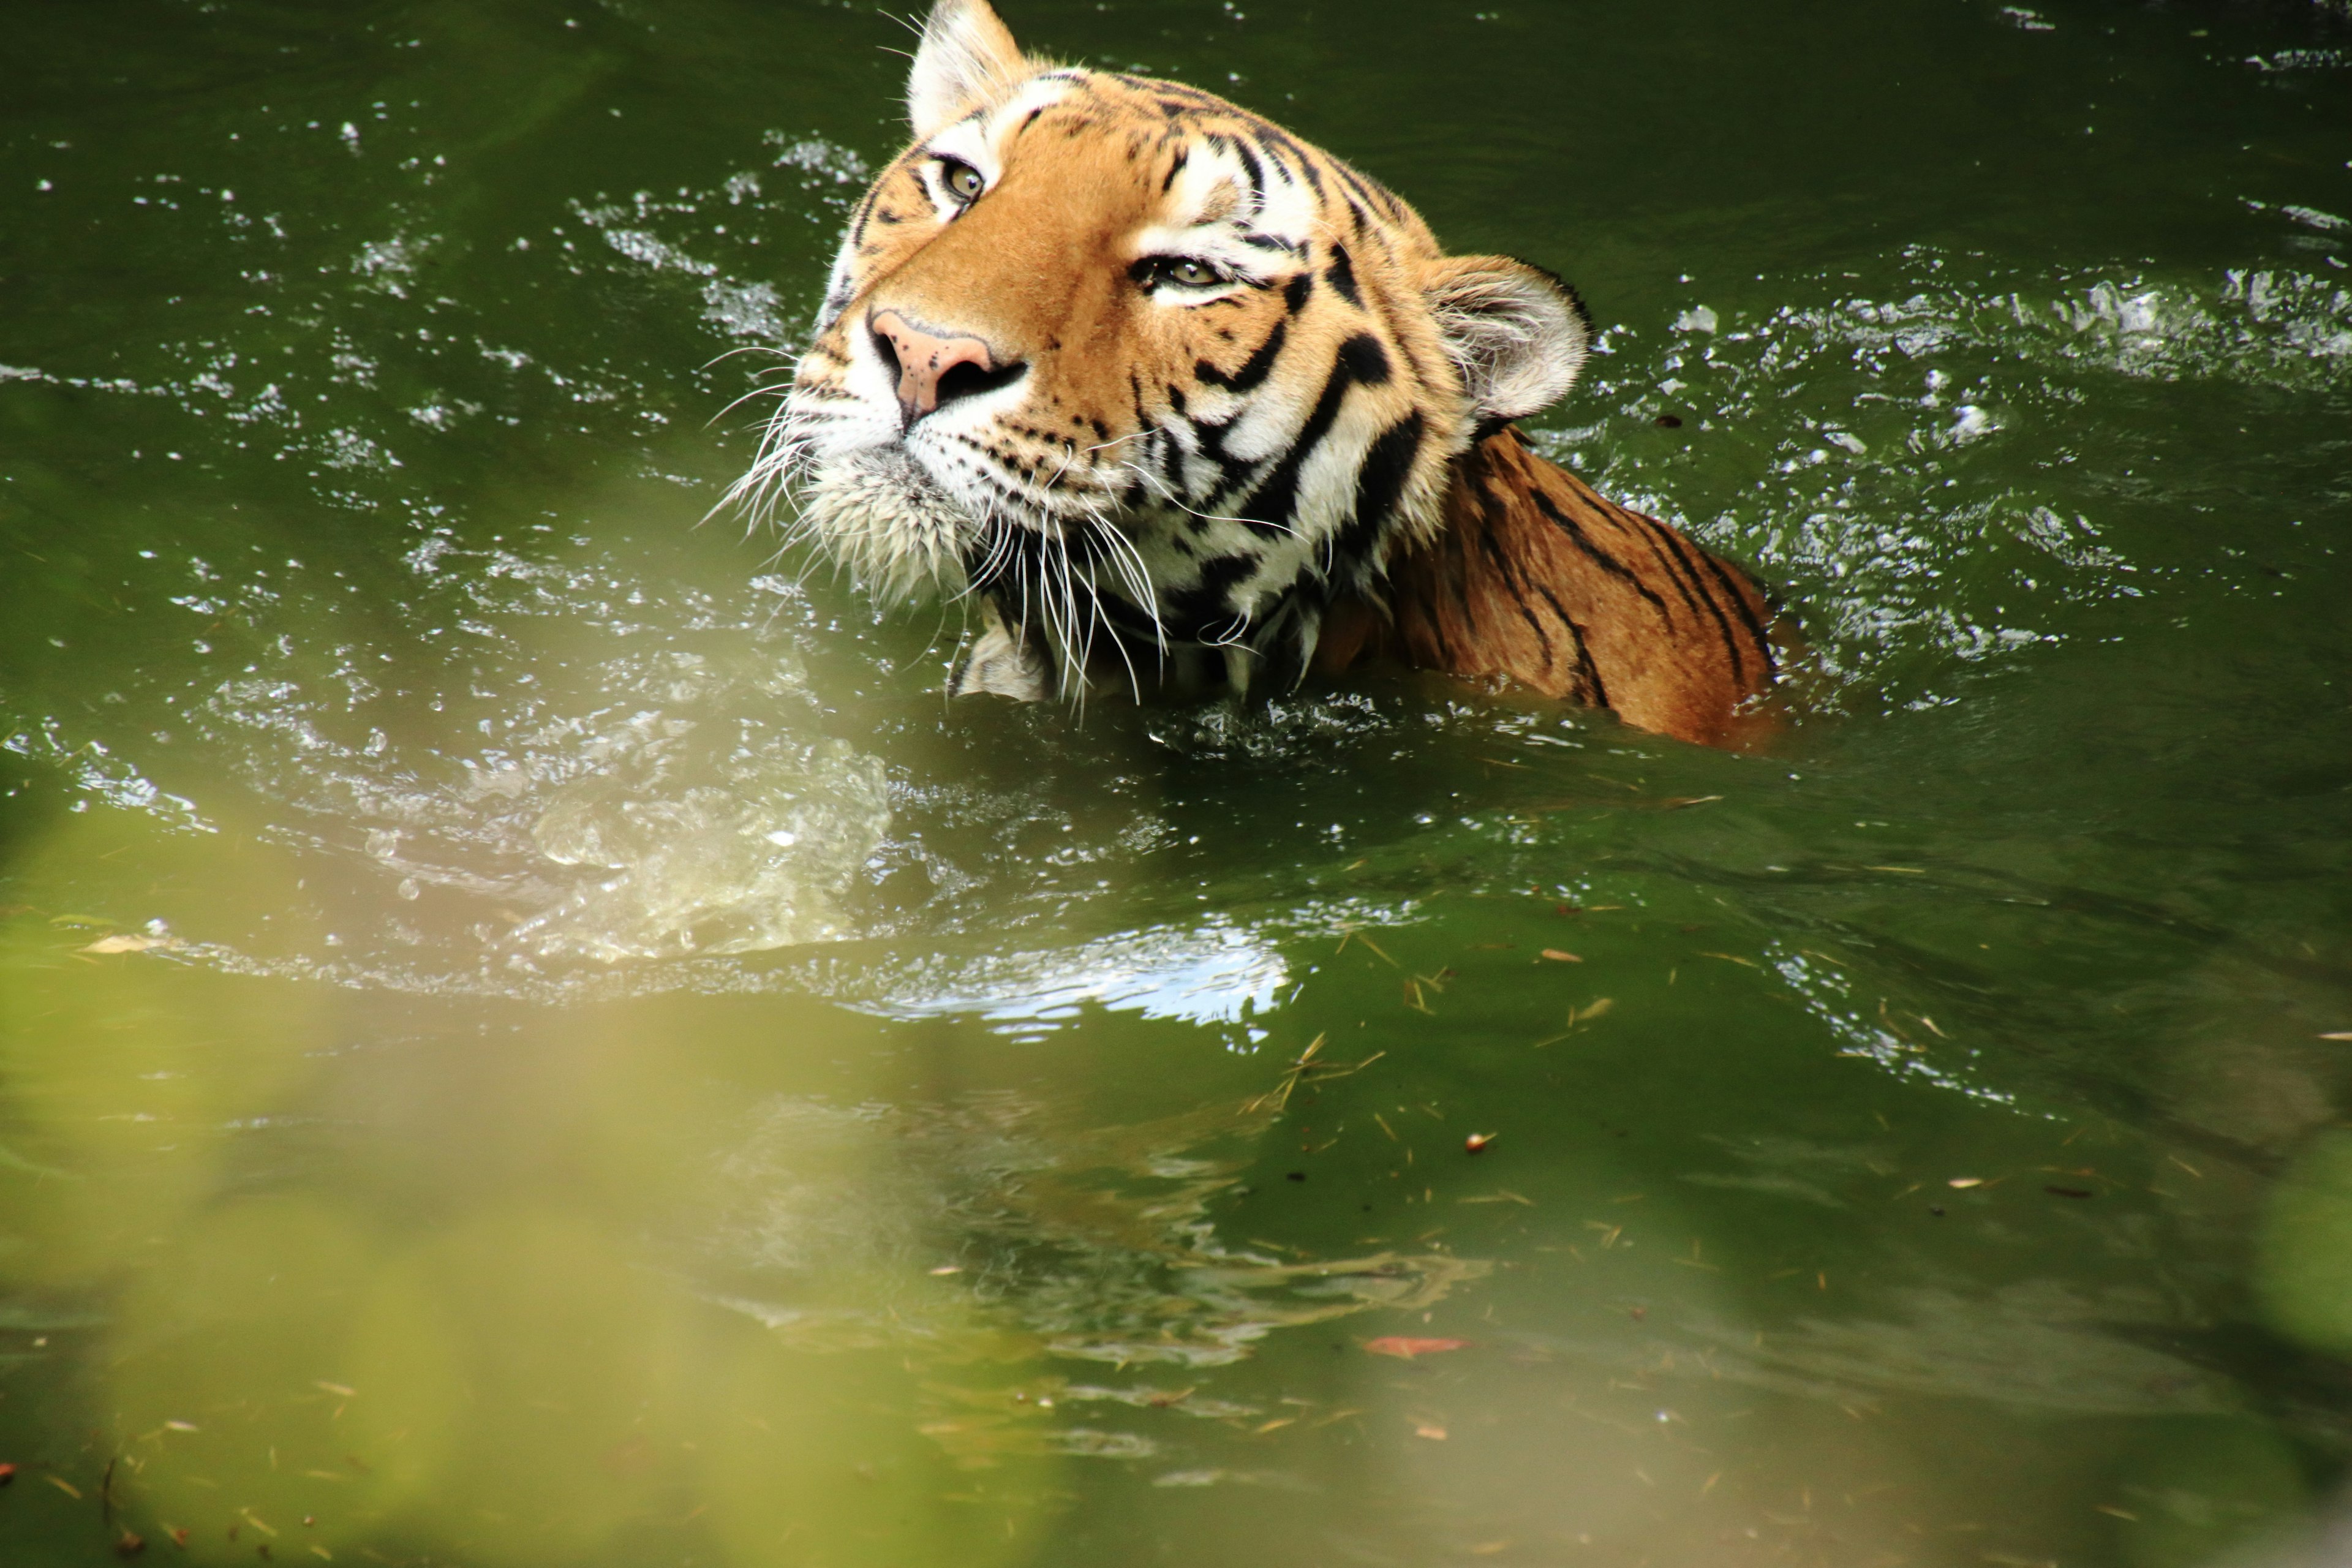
x: 1177, y: 399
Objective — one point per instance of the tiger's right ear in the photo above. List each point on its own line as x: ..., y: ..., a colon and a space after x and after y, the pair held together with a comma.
x: 1517, y: 334
x: 967, y: 56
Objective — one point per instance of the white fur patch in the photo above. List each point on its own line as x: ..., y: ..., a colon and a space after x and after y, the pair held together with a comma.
x: 1517, y: 335
x: 967, y: 56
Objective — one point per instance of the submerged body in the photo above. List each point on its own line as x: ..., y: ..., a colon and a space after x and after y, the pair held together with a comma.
x: 1181, y: 400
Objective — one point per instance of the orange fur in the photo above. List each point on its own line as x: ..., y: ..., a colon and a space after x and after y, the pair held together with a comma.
x: 1538, y: 580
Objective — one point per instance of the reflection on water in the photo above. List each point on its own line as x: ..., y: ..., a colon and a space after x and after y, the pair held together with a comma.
x: 1214, y: 975
x: 1099, y: 1245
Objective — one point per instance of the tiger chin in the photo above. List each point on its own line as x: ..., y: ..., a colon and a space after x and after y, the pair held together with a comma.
x: 1181, y: 402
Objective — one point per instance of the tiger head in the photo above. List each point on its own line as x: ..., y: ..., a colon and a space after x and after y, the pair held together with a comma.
x: 1128, y: 362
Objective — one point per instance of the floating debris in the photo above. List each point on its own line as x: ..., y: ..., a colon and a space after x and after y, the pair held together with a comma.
x: 1406, y: 1348
x: 1305, y: 1067
x: 127, y: 941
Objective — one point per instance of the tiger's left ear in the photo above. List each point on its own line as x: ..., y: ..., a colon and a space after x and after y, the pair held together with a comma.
x: 1517, y: 334
x: 966, y: 58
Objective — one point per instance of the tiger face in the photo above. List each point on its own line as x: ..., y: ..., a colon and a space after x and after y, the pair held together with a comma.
x: 1154, y: 380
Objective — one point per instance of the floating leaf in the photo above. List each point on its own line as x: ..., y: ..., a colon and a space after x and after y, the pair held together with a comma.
x: 1406, y: 1348
x: 1560, y: 955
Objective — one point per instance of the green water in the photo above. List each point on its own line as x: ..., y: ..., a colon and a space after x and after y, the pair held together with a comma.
x: 529, y: 1035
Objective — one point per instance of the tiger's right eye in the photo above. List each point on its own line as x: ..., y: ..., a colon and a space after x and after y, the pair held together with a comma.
x: 962, y: 181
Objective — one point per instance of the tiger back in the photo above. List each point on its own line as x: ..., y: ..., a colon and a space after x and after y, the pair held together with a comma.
x: 1182, y: 401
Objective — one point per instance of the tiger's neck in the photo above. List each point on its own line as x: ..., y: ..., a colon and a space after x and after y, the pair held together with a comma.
x: 1534, y: 579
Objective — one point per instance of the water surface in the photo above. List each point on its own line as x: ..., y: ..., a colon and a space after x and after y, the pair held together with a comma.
x: 529, y: 1034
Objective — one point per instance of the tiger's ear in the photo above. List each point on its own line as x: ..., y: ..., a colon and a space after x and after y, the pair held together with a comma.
x: 1517, y: 334
x: 966, y: 57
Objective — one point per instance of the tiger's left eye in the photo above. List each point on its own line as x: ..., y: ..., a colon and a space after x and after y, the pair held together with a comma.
x: 962, y: 181
x: 1189, y: 273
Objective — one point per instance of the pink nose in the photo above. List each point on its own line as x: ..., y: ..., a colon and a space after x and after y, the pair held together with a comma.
x: 924, y: 360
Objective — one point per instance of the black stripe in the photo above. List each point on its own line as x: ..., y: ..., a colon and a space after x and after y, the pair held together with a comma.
x: 1722, y: 576
x: 1595, y: 692
x: 1295, y: 292
x: 1278, y: 497
x: 1191, y: 96
x: 1279, y: 141
x: 1607, y: 563
x: 1493, y: 548
x: 1256, y: 168
x: 1363, y: 188
x: 1254, y: 370
x: 1183, y: 156
x: 1649, y: 530
x: 1380, y: 485
x: 1341, y: 276
x: 1190, y: 613
x: 1230, y: 471
x: 1367, y: 361
x: 1723, y: 623
x: 1739, y: 602
x: 1272, y: 242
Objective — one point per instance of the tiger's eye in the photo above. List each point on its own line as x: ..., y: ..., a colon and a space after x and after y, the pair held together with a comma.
x: 1191, y: 274
x: 962, y: 181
